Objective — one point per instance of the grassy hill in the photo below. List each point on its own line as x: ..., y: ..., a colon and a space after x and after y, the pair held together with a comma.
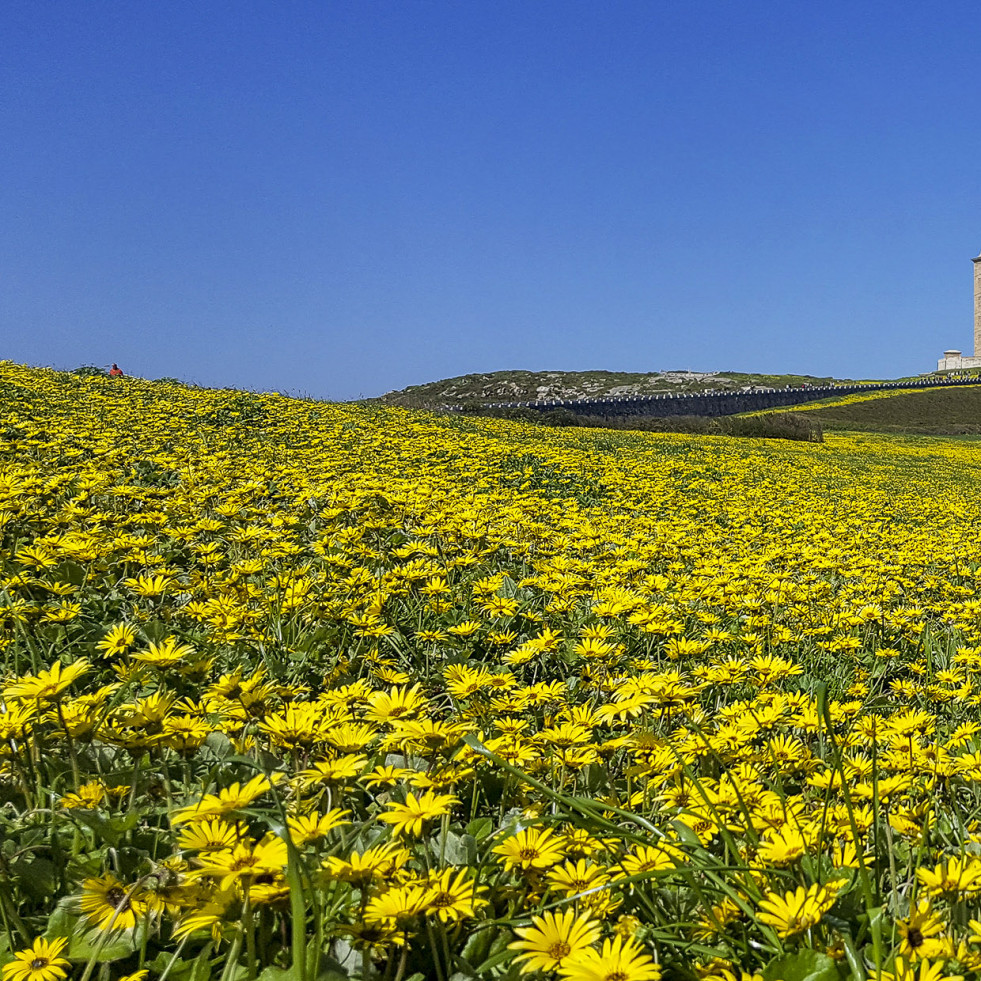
x: 932, y: 412
x: 526, y: 386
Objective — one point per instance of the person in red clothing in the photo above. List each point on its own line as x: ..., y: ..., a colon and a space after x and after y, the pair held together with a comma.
x: 115, y: 371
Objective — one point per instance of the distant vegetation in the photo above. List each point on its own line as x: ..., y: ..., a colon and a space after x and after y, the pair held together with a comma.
x: 529, y: 386
x: 938, y: 412
x: 763, y: 425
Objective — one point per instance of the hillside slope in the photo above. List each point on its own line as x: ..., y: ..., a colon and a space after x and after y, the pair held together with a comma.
x: 527, y: 386
x: 933, y: 412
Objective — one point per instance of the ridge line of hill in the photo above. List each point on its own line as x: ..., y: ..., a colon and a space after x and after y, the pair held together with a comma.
x: 527, y: 386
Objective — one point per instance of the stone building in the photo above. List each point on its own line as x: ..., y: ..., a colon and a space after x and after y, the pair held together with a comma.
x: 954, y: 360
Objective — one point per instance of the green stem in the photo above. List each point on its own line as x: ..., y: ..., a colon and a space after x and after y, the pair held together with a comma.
x: 12, y: 918
x: 173, y: 959
x: 432, y: 947
x: 248, y: 928
x: 404, y: 958
x: 71, y: 747
x: 228, y: 970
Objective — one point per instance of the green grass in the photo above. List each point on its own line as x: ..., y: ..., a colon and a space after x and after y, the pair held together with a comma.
x: 934, y: 412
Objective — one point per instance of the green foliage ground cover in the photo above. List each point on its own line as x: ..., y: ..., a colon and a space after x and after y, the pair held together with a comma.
x: 933, y: 412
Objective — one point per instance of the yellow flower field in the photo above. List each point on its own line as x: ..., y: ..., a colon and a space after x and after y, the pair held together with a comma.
x: 304, y: 691
x: 857, y: 398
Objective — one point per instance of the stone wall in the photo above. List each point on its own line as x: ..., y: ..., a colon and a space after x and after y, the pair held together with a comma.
x: 951, y: 362
x: 719, y: 403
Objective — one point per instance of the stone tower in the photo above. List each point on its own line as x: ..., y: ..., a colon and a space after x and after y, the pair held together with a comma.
x: 977, y: 307
x: 953, y: 360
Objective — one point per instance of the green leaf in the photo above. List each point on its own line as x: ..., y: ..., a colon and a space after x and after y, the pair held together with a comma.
x: 70, y: 572
x: 477, y: 948
x: 686, y: 835
x: 458, y: 849
x: 480, y: 828
x: 198, y: 969
x: 157, y: 630
x: 106, y: 829
x: 596, y: 777
x: 83, y: 941
x: 499, y: 953
x: 273, y: 973
x: 201, y: 968
x: 36, y: 876
x: 330, y: 970
x: 120, y: 944
x: 803, y: 965
x: 218, y: 744
x: 61, y: 923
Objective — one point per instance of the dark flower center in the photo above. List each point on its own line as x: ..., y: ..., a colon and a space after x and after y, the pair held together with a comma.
x: 558, y: 950
x: 117, y: 899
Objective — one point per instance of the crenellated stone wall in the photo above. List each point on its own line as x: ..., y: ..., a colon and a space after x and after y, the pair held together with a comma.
x: 718, y: 403
x: 955, y: 361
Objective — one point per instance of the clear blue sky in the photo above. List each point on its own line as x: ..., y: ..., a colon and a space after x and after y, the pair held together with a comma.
x: 344, y: 197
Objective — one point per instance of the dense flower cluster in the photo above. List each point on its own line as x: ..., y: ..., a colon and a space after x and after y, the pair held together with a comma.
x: 856, y: 398
x: 355, y: 690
